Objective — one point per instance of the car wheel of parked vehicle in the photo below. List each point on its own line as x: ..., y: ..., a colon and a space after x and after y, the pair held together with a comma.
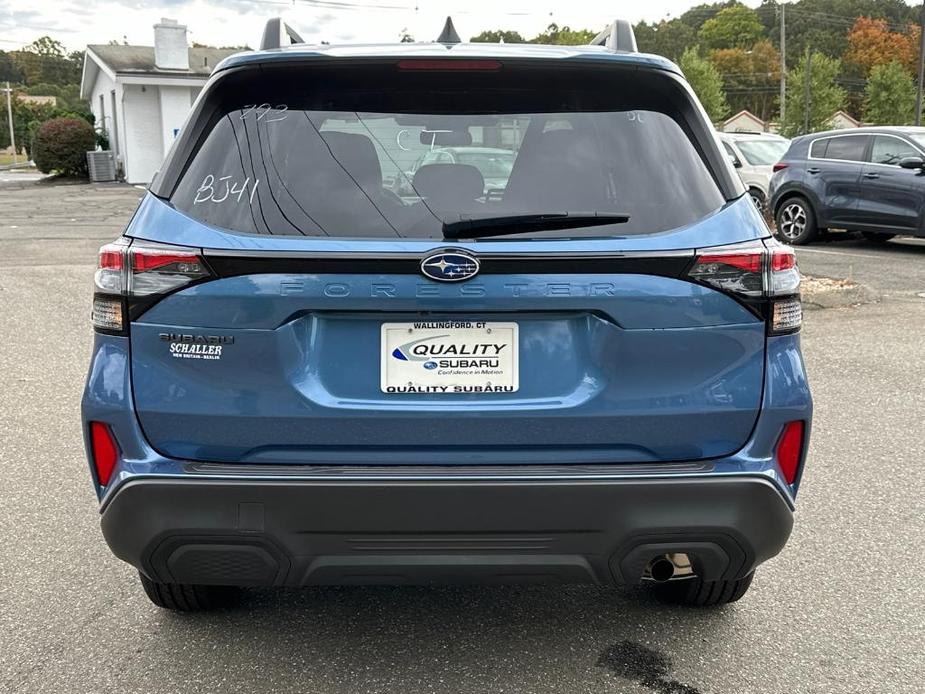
x: 699, y: 593
x: 876, y: 236
x: 796, y: 222
x: 758, y: 198
x: 183, y: 597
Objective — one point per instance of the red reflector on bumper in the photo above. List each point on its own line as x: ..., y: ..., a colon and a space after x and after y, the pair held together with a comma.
x: 789, y: 449
x: 105, y: 451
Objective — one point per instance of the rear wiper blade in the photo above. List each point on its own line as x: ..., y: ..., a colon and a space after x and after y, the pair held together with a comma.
x: 475, y: 227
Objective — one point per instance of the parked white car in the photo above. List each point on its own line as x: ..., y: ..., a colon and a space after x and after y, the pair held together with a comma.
x: 754, y: 156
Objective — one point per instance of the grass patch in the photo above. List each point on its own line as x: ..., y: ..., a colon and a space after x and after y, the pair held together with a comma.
x: 8, y: 158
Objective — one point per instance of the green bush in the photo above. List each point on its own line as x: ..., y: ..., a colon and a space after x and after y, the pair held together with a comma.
x: 61, y: 145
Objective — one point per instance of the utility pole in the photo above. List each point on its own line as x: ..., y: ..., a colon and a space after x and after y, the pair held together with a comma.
x: 918, y: 94
x: 807, y: 93
x: 783, y: 66
x: 9, y: 113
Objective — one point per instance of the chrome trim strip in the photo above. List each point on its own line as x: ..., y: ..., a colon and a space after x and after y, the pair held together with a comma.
x: 809, y: 152
x: 810, y: 156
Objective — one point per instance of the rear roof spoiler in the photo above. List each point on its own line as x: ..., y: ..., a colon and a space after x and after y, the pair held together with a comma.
x: 618, y: 37
x: 277, y: 34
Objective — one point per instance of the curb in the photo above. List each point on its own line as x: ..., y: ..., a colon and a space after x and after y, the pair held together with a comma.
x: 836, y: 296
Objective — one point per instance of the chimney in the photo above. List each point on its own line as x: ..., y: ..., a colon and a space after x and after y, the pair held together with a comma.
x: 170, y: 49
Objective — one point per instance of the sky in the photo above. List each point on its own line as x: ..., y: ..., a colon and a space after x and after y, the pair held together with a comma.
x: 77, y: 23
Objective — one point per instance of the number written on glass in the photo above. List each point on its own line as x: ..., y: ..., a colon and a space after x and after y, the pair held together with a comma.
x: 265, y: 112
x: 224, y: 188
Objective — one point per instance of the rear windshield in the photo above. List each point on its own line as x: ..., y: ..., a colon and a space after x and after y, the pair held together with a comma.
x: 763, y: 152
x: 357, y: 163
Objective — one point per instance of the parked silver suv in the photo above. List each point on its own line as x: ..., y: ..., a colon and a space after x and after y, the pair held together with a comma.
x: 754, y: 156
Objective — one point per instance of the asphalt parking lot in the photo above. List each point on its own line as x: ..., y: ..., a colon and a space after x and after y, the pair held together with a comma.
x: 841, y: 610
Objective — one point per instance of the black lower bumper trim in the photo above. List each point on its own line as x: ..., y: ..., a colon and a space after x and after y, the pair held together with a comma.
x: 294, y: 533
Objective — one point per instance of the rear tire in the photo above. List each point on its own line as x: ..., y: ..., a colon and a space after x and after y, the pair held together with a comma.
x: 182, y: 597
x: 758, y: 198
x: 695, y: 592
x: 795, y: 222
x: 876, y: 236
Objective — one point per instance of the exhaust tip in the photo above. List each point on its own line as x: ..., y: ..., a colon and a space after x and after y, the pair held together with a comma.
x: 661, y: 569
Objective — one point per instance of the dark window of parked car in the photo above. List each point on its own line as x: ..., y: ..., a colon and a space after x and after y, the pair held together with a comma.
x: 338, y: 163
x: 817, y: 150
x: 889, y: 150
x: 847, y: 147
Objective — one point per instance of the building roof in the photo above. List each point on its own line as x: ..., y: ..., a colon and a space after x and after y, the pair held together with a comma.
x: 746, y: 114
x: 140, y: 60
x: 298, y: 52
x: 847, y: 116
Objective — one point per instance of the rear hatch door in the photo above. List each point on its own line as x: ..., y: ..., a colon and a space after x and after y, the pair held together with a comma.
x: 333, y: 330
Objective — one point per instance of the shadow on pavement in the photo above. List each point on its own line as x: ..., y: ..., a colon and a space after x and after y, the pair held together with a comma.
x: 510, y: 632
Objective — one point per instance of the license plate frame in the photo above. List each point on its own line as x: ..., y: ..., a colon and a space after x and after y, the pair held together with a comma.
x: 453, y: 357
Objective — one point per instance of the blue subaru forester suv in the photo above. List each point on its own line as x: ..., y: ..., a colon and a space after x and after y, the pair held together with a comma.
x: 590, y: 373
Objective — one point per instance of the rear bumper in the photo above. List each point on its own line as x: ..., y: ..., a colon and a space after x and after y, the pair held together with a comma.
x: 290, y: 532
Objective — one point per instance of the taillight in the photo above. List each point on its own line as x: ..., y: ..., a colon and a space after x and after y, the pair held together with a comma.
x: 737, y: 272
x: 790, y: 450
x: 131, y: 275
x: 160, y: 270
x: 764, y: 276
x: 779, y: 166
x: 104, y: 450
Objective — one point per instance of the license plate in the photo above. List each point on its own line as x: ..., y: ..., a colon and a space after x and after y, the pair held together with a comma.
x: 449, y: 357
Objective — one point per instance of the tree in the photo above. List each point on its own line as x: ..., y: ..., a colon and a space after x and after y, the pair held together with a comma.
x: 565, y: 36
x: 67, y: 96
x: 889, y: 98
x: 751, y: 78
x: 45, y: 61
x: 826, y: 96
x: 61, y: 145
x: 28, y: 116
x: 9, y: 70
x: 736, y: 26
x: 706, y: 82
x: 696, y: 16
x: 498, y: 36
x: 668, y: 38
x: 871, y: 43
x: 820, y: 25
x: 406, y: 37
x: 46, y: 46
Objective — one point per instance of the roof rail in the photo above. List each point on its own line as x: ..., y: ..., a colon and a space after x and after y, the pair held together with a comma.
x: 277, y: 34
x: 619, y: 36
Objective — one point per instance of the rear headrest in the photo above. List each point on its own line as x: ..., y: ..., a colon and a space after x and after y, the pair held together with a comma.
x: 357, y: 154
x: 449, y: 185
x: 559, y: 169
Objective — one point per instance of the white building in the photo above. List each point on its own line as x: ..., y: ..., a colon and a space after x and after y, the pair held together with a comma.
x: 843, y: 121
x: 142, y: 95
x: 744, y: 122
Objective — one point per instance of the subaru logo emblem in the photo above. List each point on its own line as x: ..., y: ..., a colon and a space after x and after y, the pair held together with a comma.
x: 450, y: 266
